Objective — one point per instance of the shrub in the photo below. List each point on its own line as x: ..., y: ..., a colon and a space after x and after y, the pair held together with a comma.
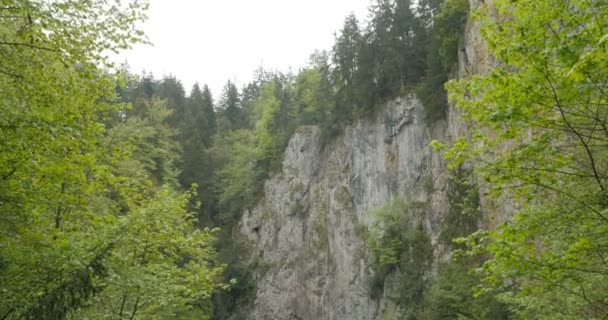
x: 398, y: 242
x: 452, y: 295
x: 464, y: 207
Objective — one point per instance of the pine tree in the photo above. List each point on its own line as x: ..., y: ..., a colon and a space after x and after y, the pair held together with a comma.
x: 410, y: 40
x: 200, y: 122
x: 427, y: 10
x: 345, y: 60
x: 384, y: 46
x: 172, y: 90
x: 197, y: 163
x: 229, y: 108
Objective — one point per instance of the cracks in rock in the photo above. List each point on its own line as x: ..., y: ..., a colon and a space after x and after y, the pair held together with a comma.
x: 394, y: 126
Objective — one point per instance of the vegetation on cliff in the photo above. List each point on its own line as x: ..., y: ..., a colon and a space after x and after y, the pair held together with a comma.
x: 545, y: 105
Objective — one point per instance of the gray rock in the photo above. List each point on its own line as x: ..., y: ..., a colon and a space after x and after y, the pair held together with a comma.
x: 306, y: 237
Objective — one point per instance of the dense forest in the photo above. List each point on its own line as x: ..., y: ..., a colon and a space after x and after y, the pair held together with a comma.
x: 119, y: 192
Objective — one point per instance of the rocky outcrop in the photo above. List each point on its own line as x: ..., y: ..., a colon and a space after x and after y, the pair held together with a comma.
x: 306, y: 238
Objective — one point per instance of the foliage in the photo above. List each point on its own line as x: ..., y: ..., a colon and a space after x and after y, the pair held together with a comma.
x: 464, y: 211
x: 172, y: 91
x: 90, y: 225
x: 238, y: 177
x: 37, y: 30
x: 200, y: 117
x: 448, y: 31
x: 398, y: 243
x: 153, y: 151
x: 398, y: 39
x: 229, y: 147
x: 311, y: 96
x: 71, y: 294
x: 196, y: 165
x: 53, y: 96
x: 401, y: 248
x: 228, y: 303
x: 271, y: 130
x: 452, y: 295
x: 405, y: 47
x: 161, y: 264
x: 68, y: 210
x: 229, y: 108
x: 375, y: 63
x: 445, y: 38
x: 345, y: 60
x: 540, y: 133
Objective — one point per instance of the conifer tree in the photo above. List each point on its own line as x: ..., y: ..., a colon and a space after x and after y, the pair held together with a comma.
x: 200, y: 122
x: 172, y: 90
x: 345, y: 60
x: 197, y: 162
x: 229, y: 108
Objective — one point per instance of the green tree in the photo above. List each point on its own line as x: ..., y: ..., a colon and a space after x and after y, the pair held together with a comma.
x: 452, y: 295
x: 137, y: 88
x: 172, y: 90
x: 229, y: 108
x: 207, y: 112
x: 250, y: 94
x: 197, y: 164
x: 410, y: 40
x: 545, y: 107
x: 441, y: 61
x: 384, y: 44
x: 310, y: 108
x: 200, y: 121
x: 237, y: 178
x: 270, y: 130
x: 161, y: 265
x: 345, y: 62
x: 398, y: 243
x: 322, y: 106
x: 152, y: 145
x: 427, y: 10
x: 53, y: 98
x: 366, y: 88
x: 64, y: 206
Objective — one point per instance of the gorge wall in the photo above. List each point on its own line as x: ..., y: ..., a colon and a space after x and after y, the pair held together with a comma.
x: 306, y: 238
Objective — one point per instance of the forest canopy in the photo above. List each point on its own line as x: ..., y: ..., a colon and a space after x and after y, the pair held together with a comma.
x: 90, y: 220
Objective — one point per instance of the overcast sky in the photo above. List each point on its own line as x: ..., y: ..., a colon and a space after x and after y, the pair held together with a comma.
x: 211, y: 41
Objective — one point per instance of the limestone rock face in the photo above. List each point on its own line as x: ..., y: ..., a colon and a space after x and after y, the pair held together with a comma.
x: 306, y: 237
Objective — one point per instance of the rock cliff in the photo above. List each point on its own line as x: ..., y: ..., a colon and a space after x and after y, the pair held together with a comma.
x: 306, y: 239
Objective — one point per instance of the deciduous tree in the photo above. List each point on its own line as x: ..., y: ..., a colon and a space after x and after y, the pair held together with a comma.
x: 545, y: 106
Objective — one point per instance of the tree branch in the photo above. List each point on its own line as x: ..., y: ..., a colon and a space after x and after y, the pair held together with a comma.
x: 557, y: 101
x: 29, y: 45
x: 135, y: 307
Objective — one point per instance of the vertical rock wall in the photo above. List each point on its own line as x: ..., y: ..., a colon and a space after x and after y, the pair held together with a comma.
x: 306, y: 237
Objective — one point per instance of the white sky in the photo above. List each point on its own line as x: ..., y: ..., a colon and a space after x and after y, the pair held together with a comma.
x: 211, y: 41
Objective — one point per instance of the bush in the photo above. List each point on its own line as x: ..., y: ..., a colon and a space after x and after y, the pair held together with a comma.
x: 398, y: 242
x: 464, y: 207
x: 452, y: 295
